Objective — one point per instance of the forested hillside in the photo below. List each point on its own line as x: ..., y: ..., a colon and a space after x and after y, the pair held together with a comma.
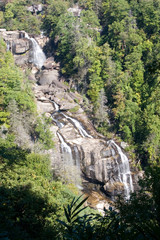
x: 108, y: 51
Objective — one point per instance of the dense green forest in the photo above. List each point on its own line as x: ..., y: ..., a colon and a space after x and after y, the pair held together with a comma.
x: 110, y: 54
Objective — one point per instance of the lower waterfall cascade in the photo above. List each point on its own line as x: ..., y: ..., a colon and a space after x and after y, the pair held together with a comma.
x: 71, y: 151
x: 123, y: 170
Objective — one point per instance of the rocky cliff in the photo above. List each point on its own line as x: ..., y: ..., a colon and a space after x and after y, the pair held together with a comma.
x: 81, y: 155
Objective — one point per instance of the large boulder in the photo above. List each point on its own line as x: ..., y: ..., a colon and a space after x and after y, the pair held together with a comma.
x: 21, y: 46
x: 44, y: 107
x: 51, y: 64
x: 47, y: 77
x: 21, y: 60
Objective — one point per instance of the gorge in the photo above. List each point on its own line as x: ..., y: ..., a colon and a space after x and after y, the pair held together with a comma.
x: 80, y: 156
x: 79, y: 120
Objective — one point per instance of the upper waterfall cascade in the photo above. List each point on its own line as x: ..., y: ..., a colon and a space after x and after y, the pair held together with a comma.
x: 38, y: 55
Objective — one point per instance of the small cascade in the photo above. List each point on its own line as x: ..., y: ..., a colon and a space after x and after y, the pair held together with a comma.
x: 58, y: 123
x: 70, y: 155
x: 66, y: 150
x: 77, y: 157
x: 77, y: 124
x: 71, y: 165
x: 55, y: 106
x: 38, y: 55
x: 124, y: 173
x: 8, y: 46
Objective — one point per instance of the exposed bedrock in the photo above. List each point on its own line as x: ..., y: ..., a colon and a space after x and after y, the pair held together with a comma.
x: 100, y: 160
x: 81, y: 155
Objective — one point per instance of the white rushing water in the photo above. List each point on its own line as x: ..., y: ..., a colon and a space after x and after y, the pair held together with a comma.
x: 38, y: 55
x: 124, y: 173
x: 59, y: 124
x: 77, y: 157
x: 55, y: 106
x: 71, y: 156
x: 66, y: 149
x: 71, y: 164
x: 77, y: 124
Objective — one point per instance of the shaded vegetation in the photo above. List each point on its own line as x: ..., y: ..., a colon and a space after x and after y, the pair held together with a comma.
x: 138, y: 218
x: 30, y: 201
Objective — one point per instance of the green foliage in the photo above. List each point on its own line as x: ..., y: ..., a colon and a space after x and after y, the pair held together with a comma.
x: 42, y: 132
x: 30, y: 201
x: 137, y: 218
x: 147, y: 13
x: 52, y: 14
x: 13, y: 88
x: 16, y: 17
x: 140, y: 216
x: 124, y: 61
x: 74, y: 110
x: 78, y: 226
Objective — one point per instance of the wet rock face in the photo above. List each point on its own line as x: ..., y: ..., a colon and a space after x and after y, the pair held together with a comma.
x: 98, y: 160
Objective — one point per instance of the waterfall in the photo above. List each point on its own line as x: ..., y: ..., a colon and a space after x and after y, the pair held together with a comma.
x: 56, y: 106
x: 8, y: 46
x: 71, y: 170
x: 38, y: 55
x: 124, y: 173
x: 77, y: 124
x: 59, y: 124
x: 71, y: 155
x: 66, y: 150
x: 77, y: 157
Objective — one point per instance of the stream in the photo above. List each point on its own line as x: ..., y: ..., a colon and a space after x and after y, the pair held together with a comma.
x: 102, y: 162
